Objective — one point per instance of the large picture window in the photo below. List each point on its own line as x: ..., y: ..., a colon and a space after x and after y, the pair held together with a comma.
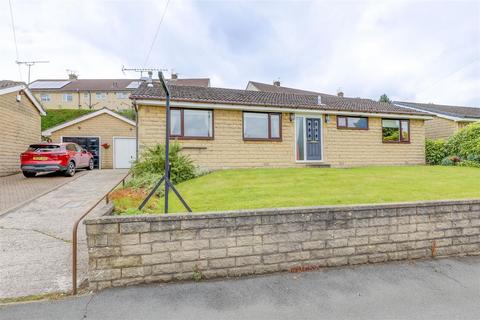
x: 354, y: 123
x: 395, y: 131
x: 191, y: 123
x: 262, y: 126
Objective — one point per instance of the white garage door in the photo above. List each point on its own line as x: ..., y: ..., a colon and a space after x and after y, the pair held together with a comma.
x: 123, y: 152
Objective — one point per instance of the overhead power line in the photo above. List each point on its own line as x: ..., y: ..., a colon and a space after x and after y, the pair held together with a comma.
x: 14, y: 36
x: 156, y: 34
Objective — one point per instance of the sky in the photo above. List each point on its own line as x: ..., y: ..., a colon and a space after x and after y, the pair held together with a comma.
x: 424, y: 51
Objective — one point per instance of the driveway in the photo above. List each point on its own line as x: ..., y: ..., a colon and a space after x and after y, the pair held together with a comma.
x: 435, y: 289
x: 15, y: 189
x: 35, y: 239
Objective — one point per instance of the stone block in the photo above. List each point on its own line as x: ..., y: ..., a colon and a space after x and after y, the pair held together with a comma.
x: 194, y: 265
x: 357, y: 241
x: 378, y: 239
x: 156, y: 258
x: 161, y: 236
x: 265, y: 248
x: 337, y: 243
x: 195, y: 244
x: 134, y: 227
x: 249, y: 240
x: 337, y: 261
x: 400, y: 220
x: 245, y: 261
x: 358, y: 259
x: 165, y: 225
x: 105, y: 274
x: 247, y: 221
x: 194, y: 224
x: 239, y: 251
x: 136, y: 271
x: 262, y: 269
x: 377, y: 257
x: 166, y: 246
x: 398, y: 237
x: 166, y: 268
x: 101, y: 228
x: 213, y: 253
x: 298, y: 256
x: 275, y: 238
x: 407, y: 211
x: 419, y: 253
x: 289, y: 246
x: 127, y: 282
x: 221, y: 263
x: 309, y: 245
x: 264, y: 229
x: 322, y: 235
x: 375, y: 222
x: 240, y: 271
x: 366, y: 231
x: 215, y: 273
x: 213, y: 233
x: 136, y: 249
x: 129, y: 238
x: 183, y: 234
x: 320, y: 254
x: 274, y: 258
x: 290, y: 227
x: 221, y: 223
x: 240, y: 231
x: 123, y: 262
x: 223, y: 242
x: 406, y: 228
x: 343, y: 251
x: 100, y: 252
x: 181, y: 256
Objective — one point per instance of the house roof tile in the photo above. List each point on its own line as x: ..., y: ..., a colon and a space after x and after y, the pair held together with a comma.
x: 447, y: 110
x: 269, y: 99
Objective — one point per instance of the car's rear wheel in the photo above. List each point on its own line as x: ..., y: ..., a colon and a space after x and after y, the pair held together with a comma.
x: 29, y: 174
x: 70, y: 172
x: 91, y: 165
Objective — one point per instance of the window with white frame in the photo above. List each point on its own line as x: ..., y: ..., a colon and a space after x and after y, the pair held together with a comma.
x: 67, y: 97
x: 122, y: 95
x: 45, y: 97
x: 101, y: 95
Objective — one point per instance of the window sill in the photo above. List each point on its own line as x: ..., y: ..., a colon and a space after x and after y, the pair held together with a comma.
x: 396, y: 142
x: 190, y: 138
x: 262, y: 139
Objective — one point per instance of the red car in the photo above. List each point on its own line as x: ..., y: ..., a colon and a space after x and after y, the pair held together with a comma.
x: 63, y: 157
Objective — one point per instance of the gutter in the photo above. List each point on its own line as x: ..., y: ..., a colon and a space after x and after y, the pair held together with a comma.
x: 161, y: 103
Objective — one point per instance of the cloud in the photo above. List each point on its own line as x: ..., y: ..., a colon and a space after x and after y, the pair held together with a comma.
x: 411, y: 50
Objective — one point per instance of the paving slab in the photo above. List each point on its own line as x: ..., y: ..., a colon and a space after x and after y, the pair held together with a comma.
x: 436, y: 289
x: 35, y: 239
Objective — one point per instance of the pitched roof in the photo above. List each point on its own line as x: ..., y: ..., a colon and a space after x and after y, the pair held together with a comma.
x: 268, y: 99
x: 87, y: 116
x: 5, y: 84
x: 446, y: 110
x: 103, y: 84
x: 279, y: 89
x: 9, y: 86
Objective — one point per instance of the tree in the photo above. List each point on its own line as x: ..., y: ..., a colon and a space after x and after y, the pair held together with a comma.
x: 384, y: 98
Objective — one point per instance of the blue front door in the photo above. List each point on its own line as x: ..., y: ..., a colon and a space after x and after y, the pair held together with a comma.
x: 313, y: 134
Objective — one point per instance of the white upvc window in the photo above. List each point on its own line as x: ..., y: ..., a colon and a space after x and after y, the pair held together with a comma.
x: 67, y: 97
x: 101, y: 95
x: 122, y: 95
x: 45, y: 97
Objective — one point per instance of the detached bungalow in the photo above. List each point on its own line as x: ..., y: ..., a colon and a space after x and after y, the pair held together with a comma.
x: 228, y: 128
x: 20, y: 121
x: 447, y: 120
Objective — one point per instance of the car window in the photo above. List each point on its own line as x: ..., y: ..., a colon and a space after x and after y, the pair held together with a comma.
x: 43, y: 148
x: 79, y: 149
x: 71, y: 147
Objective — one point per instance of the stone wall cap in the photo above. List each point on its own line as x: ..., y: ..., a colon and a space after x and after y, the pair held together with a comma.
x: 270, y: 211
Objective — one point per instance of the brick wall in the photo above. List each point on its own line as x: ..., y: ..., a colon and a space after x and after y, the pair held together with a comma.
x: 157, y: 248
x: 20, y: 123
x: 342, y: 148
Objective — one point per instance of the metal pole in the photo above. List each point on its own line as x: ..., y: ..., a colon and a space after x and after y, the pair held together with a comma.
x: 167, y: 149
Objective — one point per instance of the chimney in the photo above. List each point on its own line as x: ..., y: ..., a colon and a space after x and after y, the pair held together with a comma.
x: 174, y: 76
x: 276, y: 83
x: 340, y: 94
x: 150, y: 80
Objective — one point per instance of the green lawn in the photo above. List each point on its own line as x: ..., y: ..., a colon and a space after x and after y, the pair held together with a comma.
x: 267, y: 188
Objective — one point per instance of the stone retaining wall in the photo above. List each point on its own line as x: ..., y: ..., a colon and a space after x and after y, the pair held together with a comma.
x: 158, y: 248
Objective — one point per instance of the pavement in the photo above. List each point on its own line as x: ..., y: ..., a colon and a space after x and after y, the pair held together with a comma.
x: 35, y: 238
x: 434, y: 289
x: 15, y: 189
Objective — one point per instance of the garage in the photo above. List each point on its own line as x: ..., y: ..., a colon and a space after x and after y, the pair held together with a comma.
x: 109, y: 136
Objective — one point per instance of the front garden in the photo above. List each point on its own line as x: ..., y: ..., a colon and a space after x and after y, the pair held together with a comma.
x: 458, y: 178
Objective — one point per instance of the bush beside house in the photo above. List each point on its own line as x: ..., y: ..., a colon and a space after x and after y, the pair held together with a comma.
x: 462, y: 149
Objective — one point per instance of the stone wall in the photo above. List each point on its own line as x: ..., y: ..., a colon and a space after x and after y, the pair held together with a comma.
x: 158, y: 248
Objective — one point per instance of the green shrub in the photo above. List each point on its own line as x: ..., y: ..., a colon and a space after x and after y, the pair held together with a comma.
x: 474, y: 158
x: 466, y: 142
x: 469, y: 163
x: 447, y: 162
x: 151, y: 166
x: 435, y: 151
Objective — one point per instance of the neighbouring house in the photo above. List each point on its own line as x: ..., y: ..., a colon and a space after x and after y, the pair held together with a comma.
x: 228, y: 128
x: 109, y: 136
x: 74, y: 93
x: 20, y: 116
x: 447, y: 120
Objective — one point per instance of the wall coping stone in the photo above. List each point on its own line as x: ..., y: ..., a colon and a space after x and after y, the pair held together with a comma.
x: 272, y: 211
